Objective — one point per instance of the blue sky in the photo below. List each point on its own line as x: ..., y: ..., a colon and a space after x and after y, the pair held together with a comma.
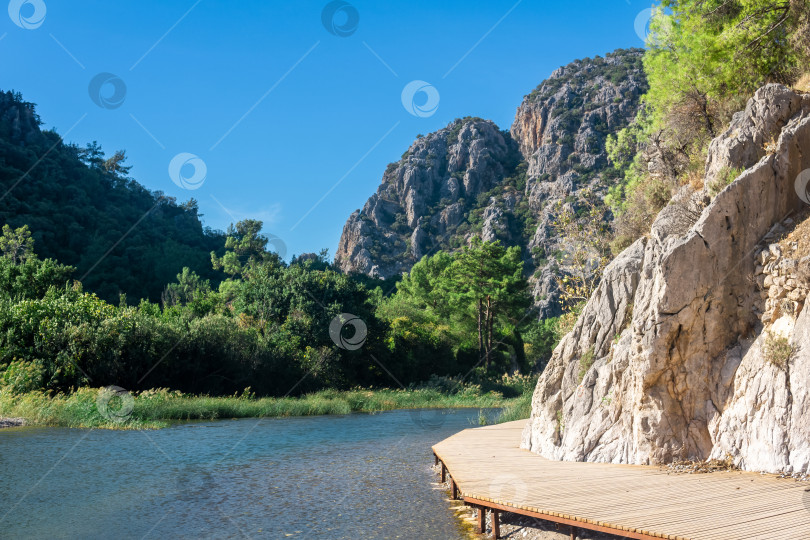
x: 294, y: 124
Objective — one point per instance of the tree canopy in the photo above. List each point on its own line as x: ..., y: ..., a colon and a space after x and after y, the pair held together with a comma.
x: 476, y: 299
x: 82, y: 209
x: 701, y: 52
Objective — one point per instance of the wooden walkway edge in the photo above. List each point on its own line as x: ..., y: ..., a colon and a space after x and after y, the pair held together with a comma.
x: 491, y: 473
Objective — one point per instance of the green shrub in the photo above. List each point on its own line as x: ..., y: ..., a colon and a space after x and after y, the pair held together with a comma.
x: 541, y: 338
x: 725, y: 176
x: 585, y: 363
x: 560, y: 422
x: 21, y: 376
x: 778, y: 350
x: 567, y: 321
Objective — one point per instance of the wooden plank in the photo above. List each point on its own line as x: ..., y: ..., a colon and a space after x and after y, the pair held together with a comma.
x: 488, y: 468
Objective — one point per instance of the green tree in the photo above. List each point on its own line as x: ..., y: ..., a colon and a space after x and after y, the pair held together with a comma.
x: 31, y: 278
x: 586, y: 251
x: 16, y: 244
x: 244, y: 245
x: 119, y: 235
x: 489, y: 277
x: 427, y: 288
x: 188, y: 289
x: 702, y: 51
x: 92, y: 155
x: 475, y: 299
x: 115, y: 165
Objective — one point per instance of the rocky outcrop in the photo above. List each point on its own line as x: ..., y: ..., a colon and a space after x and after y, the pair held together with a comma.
x: 19, y: 122
x: 424, y: 197
x: 11, y: 422
x: 561, y: 128
x: 783, y: 281
x: 575, y: 108
x: 466, y: 178
x: 678, y: 352
x: 765, y: 421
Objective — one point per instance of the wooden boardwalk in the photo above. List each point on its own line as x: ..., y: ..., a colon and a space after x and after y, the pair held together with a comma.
x: 490, y: 472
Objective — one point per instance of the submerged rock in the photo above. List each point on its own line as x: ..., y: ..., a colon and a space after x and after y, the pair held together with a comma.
x: 11, y: 422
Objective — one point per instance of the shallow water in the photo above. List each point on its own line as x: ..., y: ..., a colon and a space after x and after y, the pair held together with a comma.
x: 354, y: 476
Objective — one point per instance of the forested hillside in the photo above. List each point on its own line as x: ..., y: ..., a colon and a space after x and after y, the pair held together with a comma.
x: 215, y: 313
x: 82, y: 208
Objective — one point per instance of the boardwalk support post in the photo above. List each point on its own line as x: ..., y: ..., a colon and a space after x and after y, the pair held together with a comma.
x: 444, y: 473
x: 482, y: 520
x: 496, y: 524
x: 573, y: 533
x: 454, y: 489
x: 435, y: 459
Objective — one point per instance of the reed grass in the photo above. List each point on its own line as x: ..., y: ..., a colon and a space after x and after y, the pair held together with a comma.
x: 517, y: 409
x: 151, y: 409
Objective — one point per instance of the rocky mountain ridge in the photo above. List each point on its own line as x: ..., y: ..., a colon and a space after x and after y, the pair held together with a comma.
x: 694, y: 345
x: 472, y: 178
x: 425, y: 196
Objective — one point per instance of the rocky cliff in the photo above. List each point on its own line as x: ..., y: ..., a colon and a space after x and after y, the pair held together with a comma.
x: 425, y: 197
x: 695, y: 343
x: 561, y: 128
x: 472, y: 178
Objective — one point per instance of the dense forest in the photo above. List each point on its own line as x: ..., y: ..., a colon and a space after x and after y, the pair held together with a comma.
x: 82, y: 208
x: 211, y: 312
x: 274, y: 327
x: 105, y: 282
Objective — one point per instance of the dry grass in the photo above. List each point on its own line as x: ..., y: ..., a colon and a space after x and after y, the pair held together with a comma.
x: 695, y: 179
x: 771, y: 146
x: 803, y: 84
x: 801, y: 235
x: 702, y: 466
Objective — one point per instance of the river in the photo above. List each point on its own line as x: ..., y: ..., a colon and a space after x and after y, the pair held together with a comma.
x: 353, y: 476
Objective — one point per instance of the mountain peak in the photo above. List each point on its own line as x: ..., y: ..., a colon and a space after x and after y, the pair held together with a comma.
x: 471, y: 177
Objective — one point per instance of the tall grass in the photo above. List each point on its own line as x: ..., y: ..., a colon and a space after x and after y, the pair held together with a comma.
x: 518, y: 409
x: 97, y: 408
x: 79, y: 409
x: 156, y: 408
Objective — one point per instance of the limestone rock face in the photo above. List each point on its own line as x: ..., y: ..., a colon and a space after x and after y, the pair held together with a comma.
x: 561, y: 128
x: 575, y: 108
x: 471, y: 178
x: 424, y: 196
x: 672, y: 356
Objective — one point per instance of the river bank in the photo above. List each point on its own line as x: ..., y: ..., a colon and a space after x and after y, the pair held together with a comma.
x: 154, y: 409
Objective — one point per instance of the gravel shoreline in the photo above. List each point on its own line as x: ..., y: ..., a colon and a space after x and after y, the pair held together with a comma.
x: 11, y: 422
x: 515, y: 526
